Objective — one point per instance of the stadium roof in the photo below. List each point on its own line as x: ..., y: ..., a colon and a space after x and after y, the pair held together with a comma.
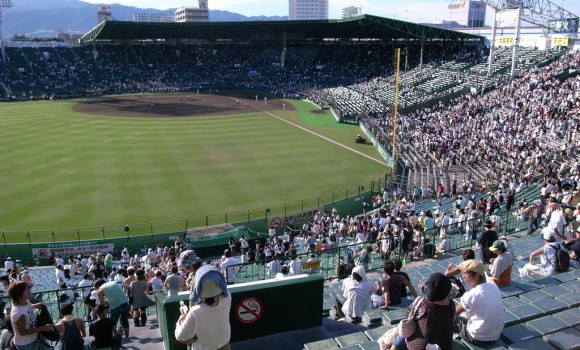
x: 361, y: 27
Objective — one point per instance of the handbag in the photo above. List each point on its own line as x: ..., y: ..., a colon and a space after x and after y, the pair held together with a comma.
x: 408, y: 325
x: 387, y: 339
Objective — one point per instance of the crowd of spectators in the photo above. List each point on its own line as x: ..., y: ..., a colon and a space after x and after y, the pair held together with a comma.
x: 42, y: 72
x: 509, y: 134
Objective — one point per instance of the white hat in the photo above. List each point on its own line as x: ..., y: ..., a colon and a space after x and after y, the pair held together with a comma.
x: 209, y: 289
x: 360, y: 270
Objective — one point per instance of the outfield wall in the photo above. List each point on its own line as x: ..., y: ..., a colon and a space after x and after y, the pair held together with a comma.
x: 350, y: 204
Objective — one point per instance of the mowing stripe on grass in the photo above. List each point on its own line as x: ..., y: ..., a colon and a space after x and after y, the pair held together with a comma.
x: 320, y: 136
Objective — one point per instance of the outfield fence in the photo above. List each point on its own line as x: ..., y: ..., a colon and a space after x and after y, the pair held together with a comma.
x: 18, y: 244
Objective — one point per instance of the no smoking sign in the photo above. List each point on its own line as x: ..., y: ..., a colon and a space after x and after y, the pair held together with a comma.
x: 249, y: 310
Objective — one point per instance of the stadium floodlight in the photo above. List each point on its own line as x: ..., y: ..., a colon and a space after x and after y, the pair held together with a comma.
x: 3, y: 3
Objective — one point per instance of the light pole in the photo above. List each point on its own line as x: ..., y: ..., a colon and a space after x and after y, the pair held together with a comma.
x: 3, y: 3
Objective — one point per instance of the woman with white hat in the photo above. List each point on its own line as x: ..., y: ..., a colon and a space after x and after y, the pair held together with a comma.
x: 207, y: 324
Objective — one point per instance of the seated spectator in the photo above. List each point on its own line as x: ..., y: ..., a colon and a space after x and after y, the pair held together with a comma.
x: 445, y: 244
x: 104, y: 330
x: 392, y: 285
x: 70, y: 328
x: 547, y: 253
x: 483, y: 321
x: 355, y: 298
x: 501, y: 267
x: 575, y: 254
x: 284, y: 272
x: 434, y: 316
x: 7, y: 334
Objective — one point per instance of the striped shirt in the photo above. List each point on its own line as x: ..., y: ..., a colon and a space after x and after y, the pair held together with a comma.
x: 114, y: 294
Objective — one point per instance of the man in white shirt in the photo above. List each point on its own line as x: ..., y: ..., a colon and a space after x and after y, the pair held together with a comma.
x: 151, y: 258
x: 60, y: 279
x: 8, y: 264
x: 226, y: 267
x: 59, y: 260
x: 483, y: 305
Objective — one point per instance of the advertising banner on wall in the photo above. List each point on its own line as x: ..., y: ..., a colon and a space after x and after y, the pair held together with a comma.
x: 72, y: 248
x: 297, y: 217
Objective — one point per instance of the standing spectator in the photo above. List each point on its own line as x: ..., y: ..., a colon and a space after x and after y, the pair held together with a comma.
x: 485, y: 241
x: 118, y: 302
x: 157, y: 281
x: 206, y: 325
x: 174, y: 283
x: 60, y: 278
x: 24, y: 320
x: 139, y: 289
x: 227, y: 268
x: 85, y: 286
x: 483, y: 305
x: 295, y: 264
x: 8, y: 264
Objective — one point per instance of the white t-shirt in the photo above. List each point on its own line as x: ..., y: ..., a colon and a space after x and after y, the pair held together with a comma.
x: 59, y: 276
x: 210, y: 324
x: 226, y: 266
x: 87, y: 284
x: 23, y: 311
x: 8, y: 264
x: 295, y: 267
x: 485, y: 308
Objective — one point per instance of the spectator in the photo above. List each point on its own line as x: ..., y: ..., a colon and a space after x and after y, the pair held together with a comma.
x: 483, y: 321
x: 485, y: 241
x: 355, y: 297
x: 25, y: 330
x: 501, y: 266
x: 139, y: 289
x: 434, y: 316
x: 117, y: 301
x: 547, y: 266
x: 70, y: 328
x: 392, y: 285
x: 104, y: 330
x: 206, y: 325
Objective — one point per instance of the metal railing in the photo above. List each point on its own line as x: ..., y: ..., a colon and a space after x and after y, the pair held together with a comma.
x: 508, y: 224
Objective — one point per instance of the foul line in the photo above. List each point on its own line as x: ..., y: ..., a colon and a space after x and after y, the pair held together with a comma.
x: 318, y: 135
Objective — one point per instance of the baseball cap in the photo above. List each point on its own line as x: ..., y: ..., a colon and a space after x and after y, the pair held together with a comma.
x: 472, y: 265
x: 547, y: 236
x: 497, y: 245
x: 437, y: 287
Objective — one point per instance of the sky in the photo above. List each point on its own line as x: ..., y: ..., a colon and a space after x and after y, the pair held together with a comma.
x: 423, y: 11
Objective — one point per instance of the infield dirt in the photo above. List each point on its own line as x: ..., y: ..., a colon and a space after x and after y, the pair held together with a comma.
x: 168, y: 105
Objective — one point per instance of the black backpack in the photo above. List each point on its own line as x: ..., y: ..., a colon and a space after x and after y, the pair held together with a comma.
x: 44, y: 318
x: 562, y: 259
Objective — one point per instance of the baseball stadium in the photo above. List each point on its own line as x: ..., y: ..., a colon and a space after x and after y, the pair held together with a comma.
x: 307, y: 151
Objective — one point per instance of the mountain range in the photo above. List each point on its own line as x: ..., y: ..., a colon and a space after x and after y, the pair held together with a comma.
x: 43, y: 17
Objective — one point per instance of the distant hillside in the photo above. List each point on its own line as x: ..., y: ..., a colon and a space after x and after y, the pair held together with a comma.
x: 75, y: 16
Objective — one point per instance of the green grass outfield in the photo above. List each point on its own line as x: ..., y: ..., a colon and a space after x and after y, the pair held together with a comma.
x: 64, y: 170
